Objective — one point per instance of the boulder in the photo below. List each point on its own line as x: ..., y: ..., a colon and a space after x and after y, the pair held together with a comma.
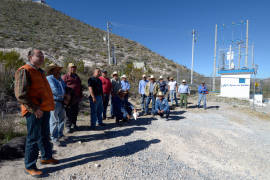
x: 13, y: 149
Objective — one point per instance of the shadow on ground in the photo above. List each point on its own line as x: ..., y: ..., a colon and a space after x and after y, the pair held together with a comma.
x: 175, y: 118
x: 105, y: 135
x: 119, y: 151
x: 141, y: 121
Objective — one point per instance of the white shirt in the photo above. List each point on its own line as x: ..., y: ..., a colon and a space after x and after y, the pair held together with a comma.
x: 172, y: 85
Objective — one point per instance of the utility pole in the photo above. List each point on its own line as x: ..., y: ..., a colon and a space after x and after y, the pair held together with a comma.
x: 253, y: 65
x: 239, y: 55
x: 177, y: 79
x: 246, y: 60
x: 215, y: 61
x: 108, y: 42
x: 192, y: 60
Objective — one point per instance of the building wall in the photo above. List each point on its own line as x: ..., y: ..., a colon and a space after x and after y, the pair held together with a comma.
x: 235, y: 86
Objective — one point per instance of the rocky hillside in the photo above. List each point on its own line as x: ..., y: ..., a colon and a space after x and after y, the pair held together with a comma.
x: 24, y: 24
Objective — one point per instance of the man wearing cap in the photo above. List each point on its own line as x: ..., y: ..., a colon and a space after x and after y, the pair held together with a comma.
x: 116, y: 87
x: 203, y: 91
x: 162, y: 85
x: 95, y: 98
x: 151, y: 90
x: 73, y: 81
x: 58, y: 115
x: 162, y: 106
x: 184, y: 92
x: 107, y: 88
x: 125, y: 86
x: 172, y: 86
x: 33, y: 92
x: 142, y: 85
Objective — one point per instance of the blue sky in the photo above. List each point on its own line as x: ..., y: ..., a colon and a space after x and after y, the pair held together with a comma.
x: 165, y: 26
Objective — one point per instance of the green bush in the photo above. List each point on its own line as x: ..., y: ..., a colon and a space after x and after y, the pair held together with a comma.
x: 10, y: 62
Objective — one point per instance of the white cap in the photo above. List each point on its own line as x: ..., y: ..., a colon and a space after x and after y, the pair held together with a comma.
x: 114, y: 73
x: 152, y: 77
x: 124, y: 76
x: 184, y: 81
x: 143, y: 75
x: 160, y: 77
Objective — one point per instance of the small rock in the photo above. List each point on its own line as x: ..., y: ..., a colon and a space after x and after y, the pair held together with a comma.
x: 97, y: 165
x: 80, y: 142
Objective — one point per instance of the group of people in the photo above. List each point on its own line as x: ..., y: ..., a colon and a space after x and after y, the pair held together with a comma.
x: 50, y: 101
x: 149, y: 89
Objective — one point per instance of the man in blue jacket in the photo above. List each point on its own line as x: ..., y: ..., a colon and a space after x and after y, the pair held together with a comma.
x: 125, y: 86
x: 142, y: 85
x: 162, y: 106
x: 57, y: 117
x: 203, y: 91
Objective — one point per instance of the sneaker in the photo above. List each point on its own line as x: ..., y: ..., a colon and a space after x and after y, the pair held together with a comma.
x: 74, y: 127
x: 68, y: 130
x: 49, y: 161
x: 36, y: 173
x: 102, y: 124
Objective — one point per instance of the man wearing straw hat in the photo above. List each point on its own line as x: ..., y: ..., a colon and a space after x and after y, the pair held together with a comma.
x: 73, y: 81
x: 57, y: 118
x: 142, y: 85
x: 162, y: 106
x: 125, y: 86
x: 162, y: 85
x: 33, y: 92
x: 151, y: 90
x: 172, y: 86
x: 116, y: 87
x: 184, y: 92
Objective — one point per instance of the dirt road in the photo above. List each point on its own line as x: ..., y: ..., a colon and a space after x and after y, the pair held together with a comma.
x: 221, y: 142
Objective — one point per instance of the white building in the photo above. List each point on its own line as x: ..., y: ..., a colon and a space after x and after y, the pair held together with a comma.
x: 235, y: 83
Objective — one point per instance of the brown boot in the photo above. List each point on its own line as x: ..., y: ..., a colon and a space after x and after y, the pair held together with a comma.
x: 34, y: 172
x: 49, y: 161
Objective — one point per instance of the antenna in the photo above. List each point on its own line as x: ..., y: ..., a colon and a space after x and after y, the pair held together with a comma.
x: 192, y: 57
x: 215, y: 61
x: 108, y: 41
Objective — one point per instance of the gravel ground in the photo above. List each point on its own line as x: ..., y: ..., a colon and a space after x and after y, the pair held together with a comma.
x: 218, y: 143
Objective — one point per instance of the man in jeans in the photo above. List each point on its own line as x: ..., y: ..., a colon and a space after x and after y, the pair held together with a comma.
x: 73, y: 81
x: 58, y: 115
x: 162, y: 85
x: 162, y: 106
x: 184, y: 92
x: 203, y: 91
x: 31, y: 86
x: 95, y: 98
x: 142, y: 85
x: 116, y: 87
x: 125, y: 86
x: 172, y: 85
x: 107, y: 88
x: 151, y: 90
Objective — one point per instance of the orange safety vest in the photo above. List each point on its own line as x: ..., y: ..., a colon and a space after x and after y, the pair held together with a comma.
x: 39, y: 91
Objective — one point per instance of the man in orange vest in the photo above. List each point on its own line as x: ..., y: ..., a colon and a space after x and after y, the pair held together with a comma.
x: 33, y: 92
